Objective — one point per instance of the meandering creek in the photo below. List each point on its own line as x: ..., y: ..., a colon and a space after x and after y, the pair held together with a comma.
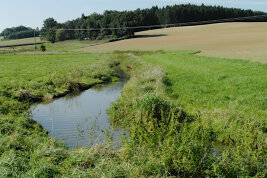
x: 81, y: 119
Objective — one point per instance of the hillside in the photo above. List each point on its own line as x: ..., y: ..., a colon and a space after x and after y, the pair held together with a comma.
x: 19, y: 41
x: 228, y: 40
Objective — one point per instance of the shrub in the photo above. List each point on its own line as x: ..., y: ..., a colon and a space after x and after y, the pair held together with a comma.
x: 42, y: 48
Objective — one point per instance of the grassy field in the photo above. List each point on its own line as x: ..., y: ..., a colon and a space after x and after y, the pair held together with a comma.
x: 17, y: 49
x: 188, y: 114
x: 72, y: 45
x: 216, y: 102
x: 227, y: 40
x: 32, y: 77
x: 206, y: 100
x: 25, y: 148
x: 231, y: 94
x: 235, y: 88
x: 20, y: 41
x: 69, y: 46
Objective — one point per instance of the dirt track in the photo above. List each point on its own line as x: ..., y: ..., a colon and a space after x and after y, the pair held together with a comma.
x: 229, y: 40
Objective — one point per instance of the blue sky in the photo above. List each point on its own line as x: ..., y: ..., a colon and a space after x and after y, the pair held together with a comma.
x: 32, y: 12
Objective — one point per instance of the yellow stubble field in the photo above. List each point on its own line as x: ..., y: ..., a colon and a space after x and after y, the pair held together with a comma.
x: 239, y: 40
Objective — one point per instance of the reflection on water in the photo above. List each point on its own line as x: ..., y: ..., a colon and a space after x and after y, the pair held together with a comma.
x: 81, y: 120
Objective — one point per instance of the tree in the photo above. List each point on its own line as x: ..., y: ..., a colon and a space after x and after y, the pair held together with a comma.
x: 97, y: 26
x: 50, y: 23
x: 60, y: 35
x: 48, y: 31
x: 51, y: 35
x: 93, y: 23
x: 18, y: 32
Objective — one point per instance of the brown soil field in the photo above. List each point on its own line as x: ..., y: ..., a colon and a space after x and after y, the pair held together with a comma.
x: 226, y: 40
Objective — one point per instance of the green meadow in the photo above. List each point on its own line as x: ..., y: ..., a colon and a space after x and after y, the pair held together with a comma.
x: 187, y: 115
x: 208, y: 106
x: 62, y: 47
x: 228, y: 94
x: 216, y: 86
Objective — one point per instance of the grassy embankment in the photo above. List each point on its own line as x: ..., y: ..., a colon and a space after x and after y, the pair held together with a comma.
x: 167, y: 136
x: 222, y: 105
x: 25, y: 148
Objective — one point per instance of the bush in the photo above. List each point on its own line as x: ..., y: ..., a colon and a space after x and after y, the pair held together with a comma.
x: 42, y: 48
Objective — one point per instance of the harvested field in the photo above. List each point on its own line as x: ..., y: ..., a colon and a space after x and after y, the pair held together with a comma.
x: 227, y: 40
x: 19, y: 42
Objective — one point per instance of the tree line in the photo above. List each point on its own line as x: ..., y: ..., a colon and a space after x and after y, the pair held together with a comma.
x: 112, y: 24
x: 18, y: 33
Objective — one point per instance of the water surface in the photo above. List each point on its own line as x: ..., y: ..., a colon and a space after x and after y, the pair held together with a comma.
x: 81, y: 120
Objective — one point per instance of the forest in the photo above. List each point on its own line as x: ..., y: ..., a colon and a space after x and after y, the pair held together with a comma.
x: 19, y: 32
x: 112, y: 24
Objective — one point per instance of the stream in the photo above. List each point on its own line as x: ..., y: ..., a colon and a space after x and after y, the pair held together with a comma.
x: 81, y: 120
